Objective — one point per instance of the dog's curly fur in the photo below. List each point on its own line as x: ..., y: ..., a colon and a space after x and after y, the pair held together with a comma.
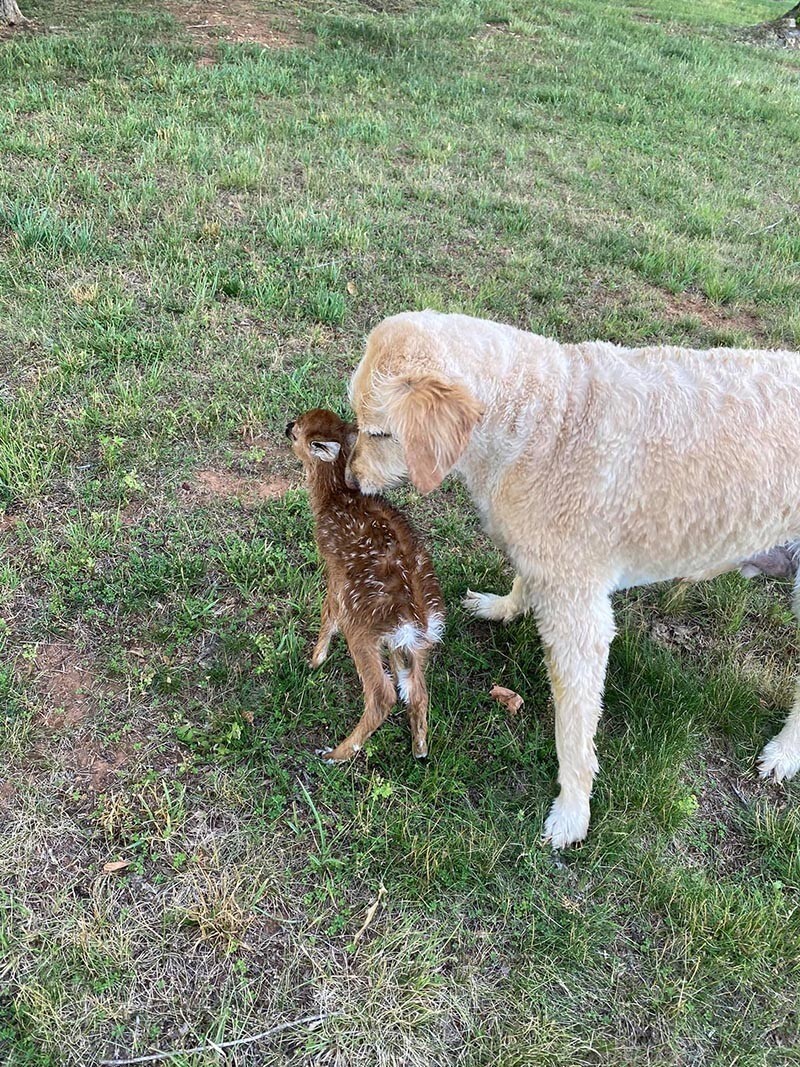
x: 596, y: 468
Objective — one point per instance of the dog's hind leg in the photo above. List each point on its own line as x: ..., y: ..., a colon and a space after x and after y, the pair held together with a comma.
x: 500, y: 608
x: 576, y: 629
x: 780, y: 757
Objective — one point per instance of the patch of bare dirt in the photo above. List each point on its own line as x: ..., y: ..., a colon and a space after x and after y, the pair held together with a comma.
x: 679, y: 305
x: 7, y: 792
x: 782, y: 32
x: 96, y: 768
x: 64, y: 676
x: 235, y: 22
x: 390, y: 7
x: 719, y: 838
x: 227, y: 485
x: 7, y: 31
x: 674, y: 634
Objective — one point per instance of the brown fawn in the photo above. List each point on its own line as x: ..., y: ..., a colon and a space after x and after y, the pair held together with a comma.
x: 382, y: 592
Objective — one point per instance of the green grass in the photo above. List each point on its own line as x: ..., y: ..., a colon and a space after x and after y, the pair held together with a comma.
x: 189, y: 254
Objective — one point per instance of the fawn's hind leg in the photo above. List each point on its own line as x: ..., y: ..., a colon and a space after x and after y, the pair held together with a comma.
x: 379, y: 699
x: 328, y: 627
x: 414, y: 694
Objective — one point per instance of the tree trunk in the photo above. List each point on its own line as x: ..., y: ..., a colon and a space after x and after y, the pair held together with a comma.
x: 10, y: 13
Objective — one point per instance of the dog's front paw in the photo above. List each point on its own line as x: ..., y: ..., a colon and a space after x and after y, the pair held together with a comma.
x: 779, y: 760
x: 567, y: 823
x: 489, y: 606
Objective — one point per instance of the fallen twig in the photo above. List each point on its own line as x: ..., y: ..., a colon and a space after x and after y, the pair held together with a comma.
x: 371, y: 912
x: 771, y: 226
x: 216, y: 1047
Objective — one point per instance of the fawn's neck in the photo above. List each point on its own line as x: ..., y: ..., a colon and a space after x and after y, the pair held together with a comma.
x: 326, y: 485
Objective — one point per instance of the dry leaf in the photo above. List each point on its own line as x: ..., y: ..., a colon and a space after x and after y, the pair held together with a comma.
x: 351, y: 288
x: 116, y: 865
x: 508, y: 698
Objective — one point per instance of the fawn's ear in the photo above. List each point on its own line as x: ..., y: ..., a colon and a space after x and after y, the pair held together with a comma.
x: 327, y: 451
x: 433, y: 420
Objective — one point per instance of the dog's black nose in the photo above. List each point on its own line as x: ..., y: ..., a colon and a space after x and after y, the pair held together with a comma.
x: 289, y: 428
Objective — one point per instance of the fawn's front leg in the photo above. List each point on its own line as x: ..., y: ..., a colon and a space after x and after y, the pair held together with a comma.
x: 328, y: 627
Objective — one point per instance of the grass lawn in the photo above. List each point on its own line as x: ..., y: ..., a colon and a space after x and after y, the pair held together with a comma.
x: 197, y: 229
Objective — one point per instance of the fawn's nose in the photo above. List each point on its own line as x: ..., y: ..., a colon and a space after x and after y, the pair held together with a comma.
x: 289, y: 428
x: 350, y: 479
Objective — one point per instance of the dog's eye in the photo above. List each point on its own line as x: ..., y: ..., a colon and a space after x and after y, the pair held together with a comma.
x: 377, y: 433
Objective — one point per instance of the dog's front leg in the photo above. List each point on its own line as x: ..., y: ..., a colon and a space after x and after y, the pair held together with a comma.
x: 576, y: 630
x: 500, y: 608
x: 781, y: 756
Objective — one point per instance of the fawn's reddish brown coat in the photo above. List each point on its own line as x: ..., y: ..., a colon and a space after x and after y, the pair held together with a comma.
x: 382, y: 590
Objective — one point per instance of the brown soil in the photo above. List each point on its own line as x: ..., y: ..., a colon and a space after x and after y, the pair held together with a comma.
x: 62, y: 675
x: 235, y: 22
x: 722, y: 792
x: 98, y: 769
x: 783, y: 32
x: 6, y: 795
x: 674, y: 634
x: 680, y: 305
x: 228, y: 485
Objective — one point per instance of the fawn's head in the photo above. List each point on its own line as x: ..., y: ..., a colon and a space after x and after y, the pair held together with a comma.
x: 320, y: 436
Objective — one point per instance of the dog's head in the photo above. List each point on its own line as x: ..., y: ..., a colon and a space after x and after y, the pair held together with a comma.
x: 413, y: 425
x: 320, y: 436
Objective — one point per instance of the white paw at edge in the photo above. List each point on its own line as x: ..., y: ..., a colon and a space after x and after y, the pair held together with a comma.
x: 775, y: 762
x: 566, y: 823
x: 486, y: 606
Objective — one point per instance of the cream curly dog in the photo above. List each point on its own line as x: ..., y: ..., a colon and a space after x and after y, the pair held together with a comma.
x: 595, y: 468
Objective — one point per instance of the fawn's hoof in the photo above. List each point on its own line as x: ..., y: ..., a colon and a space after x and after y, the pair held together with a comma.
x: 333, y: 756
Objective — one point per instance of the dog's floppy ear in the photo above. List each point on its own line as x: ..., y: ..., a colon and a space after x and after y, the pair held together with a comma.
x: 433, y: 420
